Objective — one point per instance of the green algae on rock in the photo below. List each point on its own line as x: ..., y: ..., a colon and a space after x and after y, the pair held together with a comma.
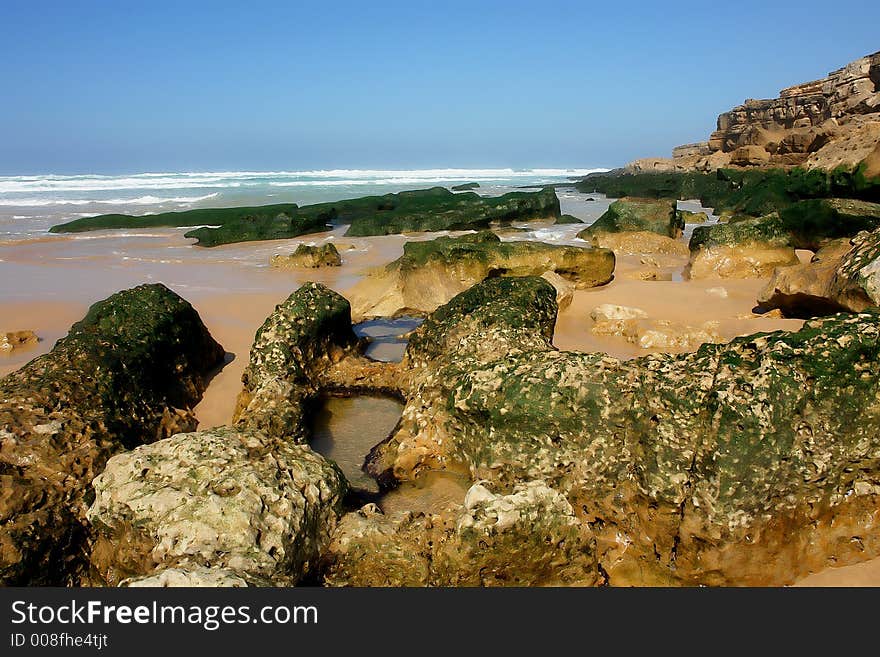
x: 431, y: 272
x: 638, y: 214
x: 237, y: 502
x: 440, y: 209
x: 310, y: 330
x: 128, y: 373
x: 751, y: 462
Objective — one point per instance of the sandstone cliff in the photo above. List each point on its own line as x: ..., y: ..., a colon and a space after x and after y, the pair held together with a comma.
x: 826, y: 123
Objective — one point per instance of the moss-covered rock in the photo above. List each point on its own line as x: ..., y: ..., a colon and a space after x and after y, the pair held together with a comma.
x: 751, y: 462
x: 529, y: 537
x: 567, y: 219
x: 309, y: 257
x: 308, y: 332
x: 440, y: 209
x: 431, y: 272
x: 128, y: 373
x: 688, y: 217
x: 637, y: 214
x: 259, y: 509
x: 750, y: 248
x: 814, y: 222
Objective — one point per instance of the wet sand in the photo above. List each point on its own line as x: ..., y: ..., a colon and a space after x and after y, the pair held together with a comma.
x: 234, y: 290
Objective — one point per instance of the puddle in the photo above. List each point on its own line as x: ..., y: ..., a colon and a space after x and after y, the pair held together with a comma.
x: 386, y: 343
x: 345, y: 429
x: 433, y: 492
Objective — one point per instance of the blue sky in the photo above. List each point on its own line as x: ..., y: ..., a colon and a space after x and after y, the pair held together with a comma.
x: 124, y: 87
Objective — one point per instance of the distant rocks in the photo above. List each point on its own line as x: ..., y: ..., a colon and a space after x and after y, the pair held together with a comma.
x: 10, y: 340
x: 129, y: 373
x: 568, y: 219
x: 309, y: 257
x: 431, y: 272
x: 464, y: 187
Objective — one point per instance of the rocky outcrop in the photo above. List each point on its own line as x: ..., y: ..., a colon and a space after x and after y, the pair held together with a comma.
x: 842, y: 276
x: 637, y: 214
x: 238, y: 502
x: 634, y: 325
x: 638, y: 243
x: 751, y: 462
x: 129, y: 373
x: 751, y: 248
x: 527, y: 537
x: 310, y: 331
x: 440, y: 209
x: 10, y: 340
x: 826, y: 123
x: 431, y: 272
x: 308, y: 257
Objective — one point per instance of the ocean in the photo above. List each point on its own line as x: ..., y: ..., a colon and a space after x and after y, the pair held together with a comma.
x: 30, y: 205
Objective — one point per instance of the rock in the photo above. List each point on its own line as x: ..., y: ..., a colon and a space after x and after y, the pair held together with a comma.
x: 528, y: 537
x: 307, y: 256
x: 309, y: 332
x: 564, y: 288
x: 720, y: 292
x: 743, y: 463
x: 842, y: 276
x: 609, y: 311
x: 431, y: 272
x: 689, y: 217
x: 440, y: 209
x: 464, y: 187
x: 649, y: 275
x: 17, y: 339
x: 198, y: 577
x: 814, y: 222
x: 225, y: 499
x: 637, y: 214
x: 129, y: 373
x: 745, y: 156
x: 656, y: 334
x: 856, y: 283
x: 567, y: 219
x: 752, y: 248
x: 638, y: 242
x: 431, y: 209
x: 804, y: 290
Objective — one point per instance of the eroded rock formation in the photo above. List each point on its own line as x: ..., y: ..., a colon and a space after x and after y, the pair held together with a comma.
x: 128, y: 373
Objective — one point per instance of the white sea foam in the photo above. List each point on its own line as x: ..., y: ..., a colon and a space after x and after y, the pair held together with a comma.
x: 140, y: 200
x: 232, y: 179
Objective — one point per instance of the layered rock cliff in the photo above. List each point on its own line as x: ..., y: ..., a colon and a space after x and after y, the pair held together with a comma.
x: 826, y: 123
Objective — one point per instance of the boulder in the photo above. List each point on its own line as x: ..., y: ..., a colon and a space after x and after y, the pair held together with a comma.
x: 745, y: 156
x: 637, y: 214
x: 751, y: 248
x: 310, y: 331
x: 222, y: 499
x: 751, y: 462
x: 129, y: 373
x: 10, y: 340
x: 309, y: 257
x: 689, y: 217
x: 638, y: 243
x: 814, y: 222
x: 431, y: 272
x: 527, y: 537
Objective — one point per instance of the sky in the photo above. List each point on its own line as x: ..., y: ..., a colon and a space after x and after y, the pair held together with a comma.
x: 124, y: 87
